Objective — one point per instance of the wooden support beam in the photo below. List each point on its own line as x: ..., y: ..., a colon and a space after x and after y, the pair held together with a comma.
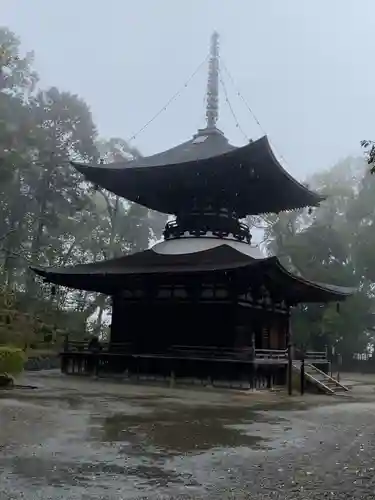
x: 290, y: 370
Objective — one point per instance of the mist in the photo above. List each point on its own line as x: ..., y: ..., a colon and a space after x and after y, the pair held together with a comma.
x: 303, y: 67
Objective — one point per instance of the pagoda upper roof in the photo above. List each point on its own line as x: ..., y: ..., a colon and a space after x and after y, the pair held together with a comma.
x: 248, y: 179
x: 147, y: 268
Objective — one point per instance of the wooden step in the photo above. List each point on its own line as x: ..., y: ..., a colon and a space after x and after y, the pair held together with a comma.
x: 320, y: 379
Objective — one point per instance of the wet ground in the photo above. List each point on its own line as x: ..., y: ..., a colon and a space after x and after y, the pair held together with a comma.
x: 88, y: 439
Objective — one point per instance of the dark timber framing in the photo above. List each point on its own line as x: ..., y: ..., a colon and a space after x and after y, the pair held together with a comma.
x: 241, y: 176
x: 213, y: 314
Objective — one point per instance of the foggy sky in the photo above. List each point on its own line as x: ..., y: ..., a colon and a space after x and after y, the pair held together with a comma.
x: 304, y: 66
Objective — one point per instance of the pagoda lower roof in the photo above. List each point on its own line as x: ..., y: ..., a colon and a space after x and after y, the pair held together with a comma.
x: 148, y: 268
x: 249, y: 180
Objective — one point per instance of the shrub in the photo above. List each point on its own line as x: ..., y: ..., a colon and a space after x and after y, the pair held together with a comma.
x: 12, y: 360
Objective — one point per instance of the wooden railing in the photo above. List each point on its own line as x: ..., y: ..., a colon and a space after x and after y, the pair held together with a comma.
x: 83, y: 345
x: 318, y: 355
x: 271, y: 354
x: 211, y: 352
x: 216, y: 225
x: 181, y: 351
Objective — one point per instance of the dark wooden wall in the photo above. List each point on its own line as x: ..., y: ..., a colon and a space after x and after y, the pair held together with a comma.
x: 153, y: 326
x: 156, y: 326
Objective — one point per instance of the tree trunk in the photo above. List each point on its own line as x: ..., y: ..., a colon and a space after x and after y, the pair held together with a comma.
x: 99, y: 319
x: 8, y: 239
x: 41, y: 196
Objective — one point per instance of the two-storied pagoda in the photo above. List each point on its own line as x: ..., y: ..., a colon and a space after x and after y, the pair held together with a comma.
x: 204, y: 302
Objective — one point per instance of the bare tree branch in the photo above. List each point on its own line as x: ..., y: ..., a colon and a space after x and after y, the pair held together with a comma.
x: 12, y: 253
x: 8, y: 233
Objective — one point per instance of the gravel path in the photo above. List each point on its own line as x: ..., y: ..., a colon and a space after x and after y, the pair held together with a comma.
x: 78, y: 439
x: 331, y: 456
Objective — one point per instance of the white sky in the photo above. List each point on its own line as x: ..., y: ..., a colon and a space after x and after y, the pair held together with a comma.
x: 305, y: 67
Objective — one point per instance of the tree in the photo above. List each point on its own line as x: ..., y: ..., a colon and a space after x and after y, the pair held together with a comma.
x: 17, y: 80
x: 49, y: 215
x: 16, y: 74
x: 44, y: 192
x: 328, y: 244
x: 125, y: 227
x: 369, y: 148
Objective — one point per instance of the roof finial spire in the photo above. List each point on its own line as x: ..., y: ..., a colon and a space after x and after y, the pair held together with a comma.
x: 212, y: 102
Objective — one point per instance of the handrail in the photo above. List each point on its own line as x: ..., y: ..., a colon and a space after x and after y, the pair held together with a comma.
x: 319, y: 382
x: 239, y: 230
x: 315, y: 380
x: 328, y: 377
x: 184, y: 350
x: 210, y: 351
x: 271, y: 353
x: 83, y: 345
x: 316, y: 353
x: 271, y: 350
x: 182, y: 346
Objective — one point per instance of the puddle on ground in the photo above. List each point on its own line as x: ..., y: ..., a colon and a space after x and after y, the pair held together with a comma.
x: 175, y: 431
x: 70, y: 473
x: 66, y: 443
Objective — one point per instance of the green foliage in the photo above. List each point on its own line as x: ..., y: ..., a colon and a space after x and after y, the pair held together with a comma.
x: 16, y: 73
x: 16, y: 327
x: 333, y: 244
x: 369, y: 147
x: 12, y: 360
x: 48, y: 214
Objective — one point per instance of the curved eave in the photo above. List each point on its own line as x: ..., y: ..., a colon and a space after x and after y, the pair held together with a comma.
x: 110, y: 282
x: 133, y: 270
x: 312, y: 291
x: 314, y: 197
x: 130, y: 269
x: 125, y: 178
x: 74, y: 281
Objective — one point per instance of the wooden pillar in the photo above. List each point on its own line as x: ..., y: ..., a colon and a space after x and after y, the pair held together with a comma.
x: 264, y: 329
x: 279, y: 325
x: 288, y: 329
x: 96, y: 363
x: 66, y: 343
x: 112, y: 331
x: 290, y: 355
x: 303, y: 375
x: 267, y: 323
x: 290, y: 371
x: 236, y: 320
